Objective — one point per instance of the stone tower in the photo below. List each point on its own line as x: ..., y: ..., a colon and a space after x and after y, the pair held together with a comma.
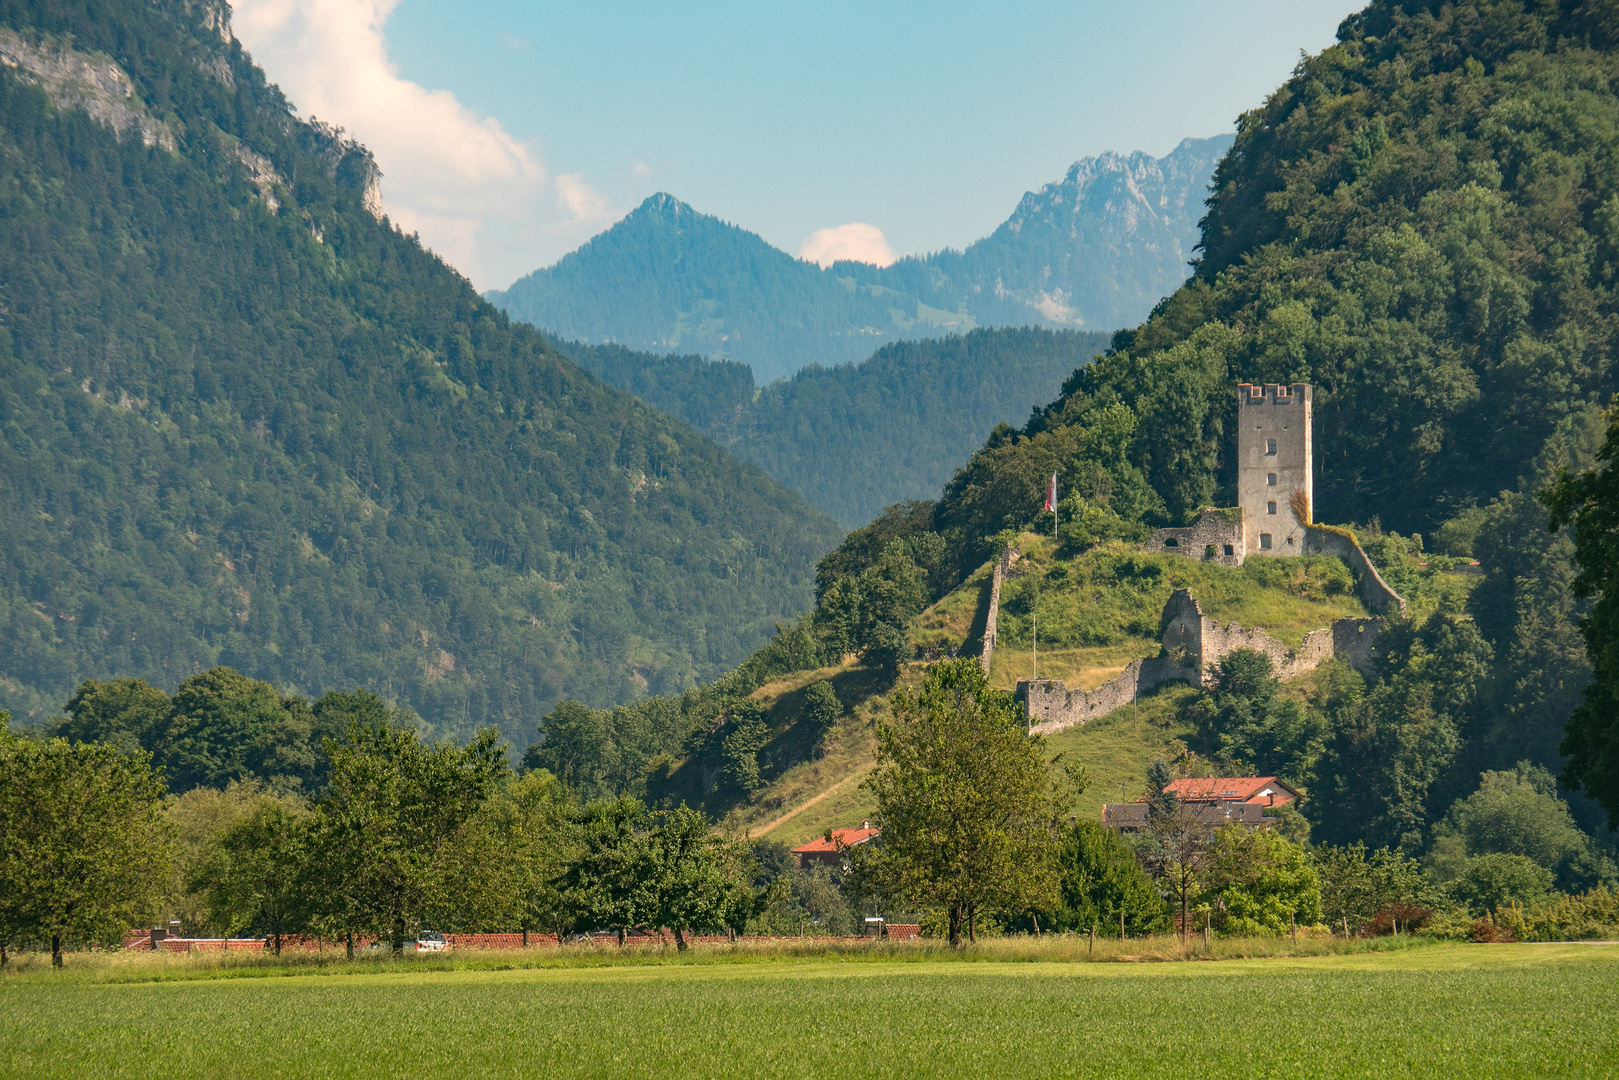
x: 1274, y: 467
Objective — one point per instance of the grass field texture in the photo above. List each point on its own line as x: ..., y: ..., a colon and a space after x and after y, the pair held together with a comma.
x: 1461, y: 1011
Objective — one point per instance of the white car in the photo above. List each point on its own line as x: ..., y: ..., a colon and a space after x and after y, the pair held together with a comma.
x: 430, y: 941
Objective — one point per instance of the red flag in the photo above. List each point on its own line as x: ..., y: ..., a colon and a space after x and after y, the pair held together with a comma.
x: 1051, y: 495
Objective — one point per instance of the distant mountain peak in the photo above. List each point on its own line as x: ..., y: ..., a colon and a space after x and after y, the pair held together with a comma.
x: 1096, y: 249
x: 664, y: 205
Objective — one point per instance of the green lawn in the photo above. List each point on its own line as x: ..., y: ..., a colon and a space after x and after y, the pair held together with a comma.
x: 1460, y: 1011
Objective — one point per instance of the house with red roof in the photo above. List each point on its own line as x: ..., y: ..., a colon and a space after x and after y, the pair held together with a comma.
x: 828, y: 850
x: 1264, y: 790
x: 1220, y: 800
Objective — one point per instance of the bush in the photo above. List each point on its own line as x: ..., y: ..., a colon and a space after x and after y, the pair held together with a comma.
x: 1591, y: 916
x: 1406, y: 918
x: 1260, y: 883
x: 1495, y: 881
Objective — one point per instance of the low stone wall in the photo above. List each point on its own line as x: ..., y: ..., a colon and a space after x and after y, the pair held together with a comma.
x: 141, y: 940
x: 1220, y: 530
x: 1374, y: 591
x: 1051, y: 706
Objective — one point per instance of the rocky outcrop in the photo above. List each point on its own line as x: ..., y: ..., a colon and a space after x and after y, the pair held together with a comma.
x: 88, y: 81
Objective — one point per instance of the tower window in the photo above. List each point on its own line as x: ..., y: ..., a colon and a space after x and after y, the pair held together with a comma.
x: 1270, y: 447
x: 1270, y: 479
x: 1229, y: 551
x: 1264, y: 541
x: 1270, y: 508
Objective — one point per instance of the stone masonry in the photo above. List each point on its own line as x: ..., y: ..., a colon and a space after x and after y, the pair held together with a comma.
x: 1216, y: 537
x: 1191, y: 646
x: 1275, y: 466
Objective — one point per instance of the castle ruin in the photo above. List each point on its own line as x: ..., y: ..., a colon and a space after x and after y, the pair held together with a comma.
x: 1272, y: 518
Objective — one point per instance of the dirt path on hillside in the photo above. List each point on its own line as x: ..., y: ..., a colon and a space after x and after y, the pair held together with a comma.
x: 801, y: 807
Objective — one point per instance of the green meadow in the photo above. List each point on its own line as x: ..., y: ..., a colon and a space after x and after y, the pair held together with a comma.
x: 1492, y: 1011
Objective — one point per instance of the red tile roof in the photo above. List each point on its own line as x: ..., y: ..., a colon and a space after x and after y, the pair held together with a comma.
x: 842, y: 839
x: 1251, y: 789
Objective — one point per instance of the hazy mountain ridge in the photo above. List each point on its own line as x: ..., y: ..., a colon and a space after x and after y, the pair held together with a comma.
x: 858, y: 437
x: 1095, y: 250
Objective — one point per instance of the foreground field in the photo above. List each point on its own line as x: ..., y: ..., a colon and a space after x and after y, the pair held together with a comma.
x: 1497, y: 1011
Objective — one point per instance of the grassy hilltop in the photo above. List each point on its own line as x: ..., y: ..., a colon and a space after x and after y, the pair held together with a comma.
x: 1097, y: 611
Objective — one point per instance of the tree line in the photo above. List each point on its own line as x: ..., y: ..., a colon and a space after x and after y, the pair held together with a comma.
x: 409, y: 833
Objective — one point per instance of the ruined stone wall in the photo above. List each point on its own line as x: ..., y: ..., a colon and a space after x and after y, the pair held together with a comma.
x: 1191, y: 646
x: 1052, y: 707
x: 997, y: 576
x: 1374, y: 591
x: 1220, y: 530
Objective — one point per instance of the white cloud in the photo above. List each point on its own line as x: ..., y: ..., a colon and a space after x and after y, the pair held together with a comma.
x: 470, y: 188
x: 856, y: 241
x: 582, y: 201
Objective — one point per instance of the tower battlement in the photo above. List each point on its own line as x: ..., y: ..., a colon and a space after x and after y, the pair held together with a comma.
x: 1273, y: 393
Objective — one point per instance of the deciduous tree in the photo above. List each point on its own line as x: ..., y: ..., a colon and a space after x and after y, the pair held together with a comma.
x: 1589, y: 501
x: 84, y: 847
x: 400, y: 833
x: 258, y: 878
x: 966, y: 806
x: 1260, y: 881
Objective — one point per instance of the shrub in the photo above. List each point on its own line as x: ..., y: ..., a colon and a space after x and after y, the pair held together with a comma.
x: 1408, y: 918
x: 1496, y: 880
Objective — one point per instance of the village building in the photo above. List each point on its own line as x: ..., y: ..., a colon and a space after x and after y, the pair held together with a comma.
x: 1259, y: 790
x: 1219, y: 801
x: 828, y: 850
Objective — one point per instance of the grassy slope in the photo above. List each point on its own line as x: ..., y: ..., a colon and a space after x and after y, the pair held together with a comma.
x: 1497, y: 1011
x: 1103, y: 609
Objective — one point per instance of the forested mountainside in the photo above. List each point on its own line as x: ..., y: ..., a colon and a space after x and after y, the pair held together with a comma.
x: 244, y: 420
x: 1423, y: 222
x: 858, y: 437
x: 1096, y: 250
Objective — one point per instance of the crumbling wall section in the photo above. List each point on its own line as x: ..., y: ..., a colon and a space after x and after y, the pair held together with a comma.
x: 1355, y: 642
x: 1191, y: 646
x: 1052, y: 707
x: 1375, y: 593
x: 997, y: 576
x: 1215, y: 536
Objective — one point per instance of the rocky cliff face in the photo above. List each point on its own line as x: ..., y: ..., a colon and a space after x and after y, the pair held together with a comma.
x: 1096, y: 249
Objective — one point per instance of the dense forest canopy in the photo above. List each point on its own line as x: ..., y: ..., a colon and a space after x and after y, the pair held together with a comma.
x: 858, y: 437
x: 246, y: 421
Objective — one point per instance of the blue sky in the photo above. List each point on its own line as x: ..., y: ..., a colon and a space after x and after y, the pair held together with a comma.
x: 928, y: 121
